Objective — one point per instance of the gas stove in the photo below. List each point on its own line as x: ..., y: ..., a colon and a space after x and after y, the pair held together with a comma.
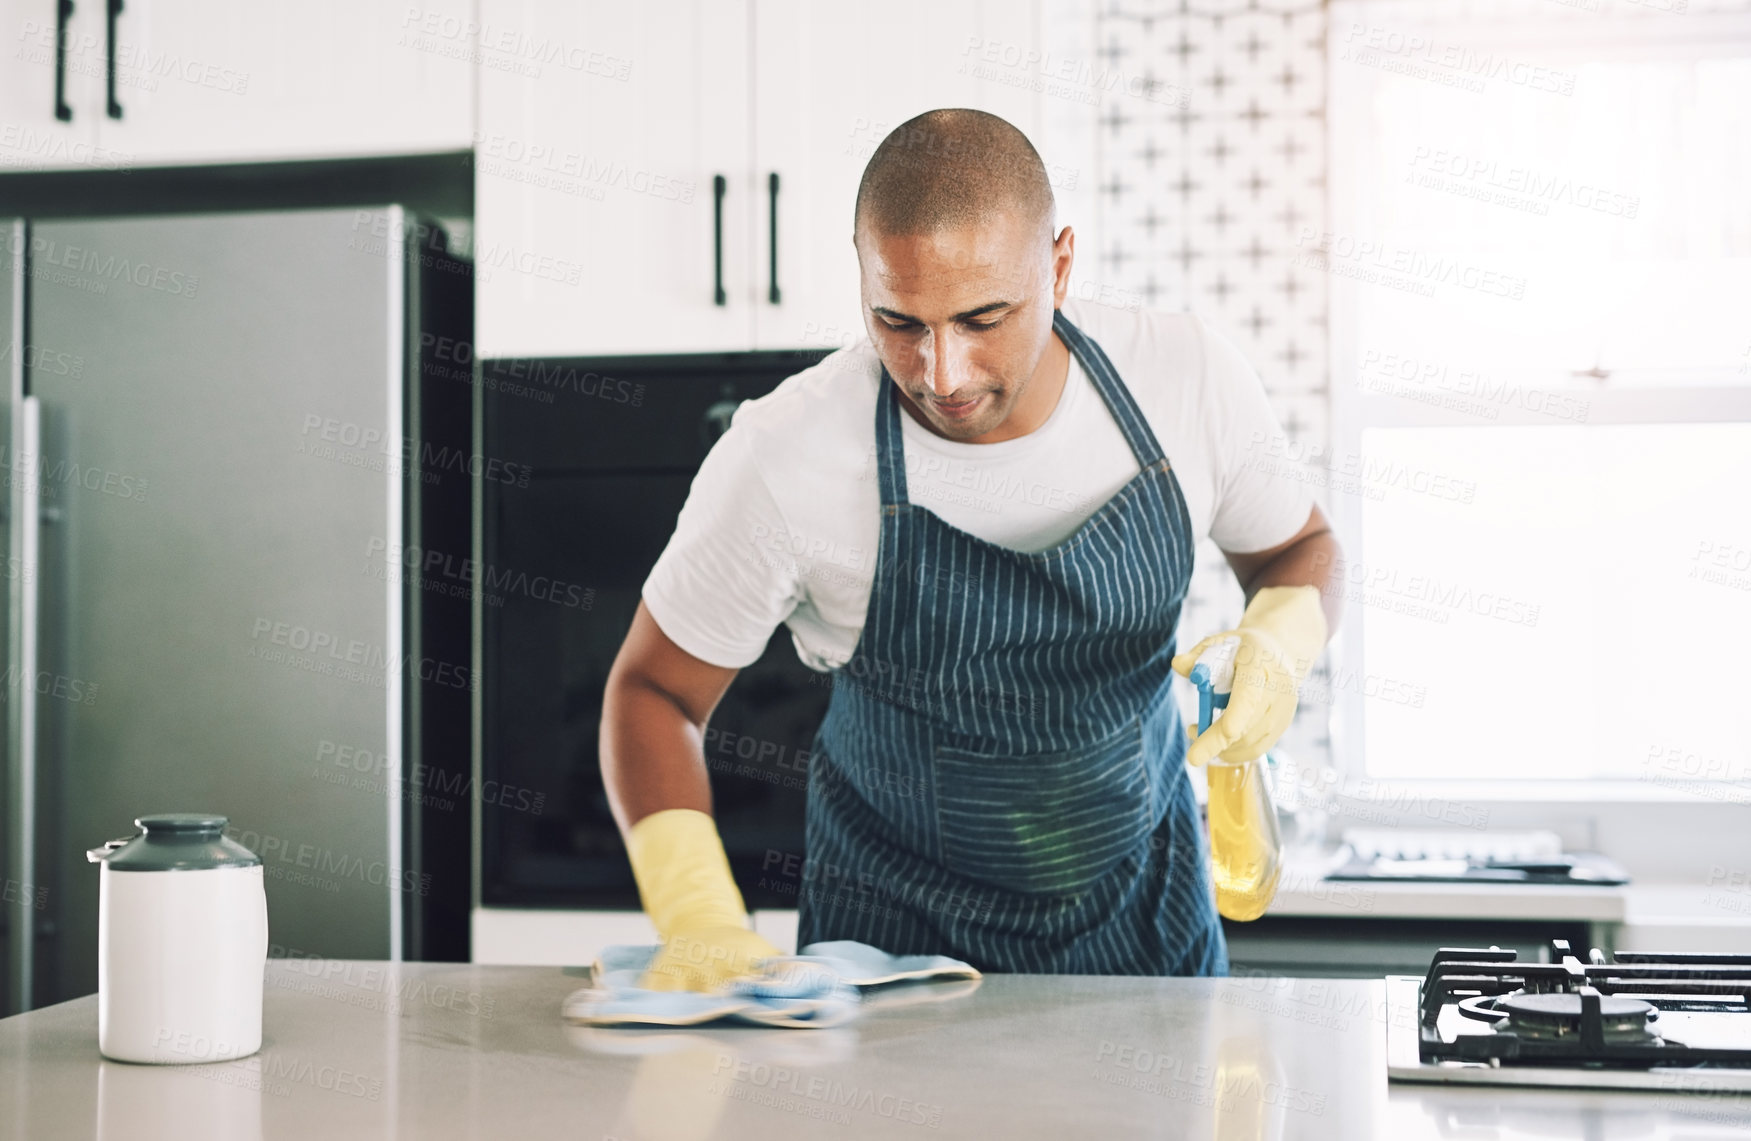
x: 1675, y: 1022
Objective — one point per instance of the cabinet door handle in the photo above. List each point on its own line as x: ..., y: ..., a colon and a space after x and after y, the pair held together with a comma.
x: 63, y: 13
x: 718, y: 188
x: 772, y: 293
x: 115, y: 108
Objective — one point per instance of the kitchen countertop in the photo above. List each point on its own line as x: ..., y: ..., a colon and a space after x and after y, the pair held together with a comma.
x: 377, y: 1050
x: 1303, y: 891
x: 1388, y: 899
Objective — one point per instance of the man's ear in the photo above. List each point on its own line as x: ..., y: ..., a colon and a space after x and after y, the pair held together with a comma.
x: 1063, y: 257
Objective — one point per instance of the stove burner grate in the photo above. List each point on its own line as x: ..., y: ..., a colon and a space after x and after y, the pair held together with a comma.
x: 1595, y: 1013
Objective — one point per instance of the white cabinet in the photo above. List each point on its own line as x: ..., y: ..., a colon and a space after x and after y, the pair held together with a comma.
x: 226, y: 81
x: 599, y: 225
x: 830, y: 81
x: 546, y: 937
x: 253, y: 81
x: 551, y: 937
x: 51, y: 71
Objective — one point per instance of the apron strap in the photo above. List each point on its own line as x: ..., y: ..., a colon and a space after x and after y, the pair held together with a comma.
x: 1119, y: 400
x: 890, y: 449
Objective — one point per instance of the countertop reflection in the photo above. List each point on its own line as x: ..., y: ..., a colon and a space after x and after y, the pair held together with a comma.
x: 379, y: 1050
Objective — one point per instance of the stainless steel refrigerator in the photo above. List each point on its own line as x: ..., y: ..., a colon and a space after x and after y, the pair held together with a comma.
x: 224, y: 435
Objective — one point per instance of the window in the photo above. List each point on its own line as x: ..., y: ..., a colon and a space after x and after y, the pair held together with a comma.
x: 1540, y: 260
x: 1584, y: 607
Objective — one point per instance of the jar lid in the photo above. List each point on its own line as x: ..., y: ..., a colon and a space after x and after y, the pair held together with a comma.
x: 175, y: 841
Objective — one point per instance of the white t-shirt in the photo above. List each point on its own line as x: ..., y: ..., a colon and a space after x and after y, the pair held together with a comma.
x: 782, y: 521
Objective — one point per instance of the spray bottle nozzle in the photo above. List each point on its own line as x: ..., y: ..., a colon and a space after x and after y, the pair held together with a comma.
x: 1213, y: 674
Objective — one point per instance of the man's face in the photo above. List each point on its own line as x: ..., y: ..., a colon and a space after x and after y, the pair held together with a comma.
x: 961, y: 318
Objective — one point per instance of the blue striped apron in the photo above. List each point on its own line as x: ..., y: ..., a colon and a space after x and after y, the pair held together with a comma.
x: 1000, y: 774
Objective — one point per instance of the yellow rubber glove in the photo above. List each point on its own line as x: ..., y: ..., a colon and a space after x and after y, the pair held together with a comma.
x: 1281, y: 633
x: 684, y: 880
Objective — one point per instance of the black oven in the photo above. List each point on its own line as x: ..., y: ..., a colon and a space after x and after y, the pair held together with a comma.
x: 586, y: 465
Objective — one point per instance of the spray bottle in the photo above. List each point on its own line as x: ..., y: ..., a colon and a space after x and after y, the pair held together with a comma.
x: 1246, y: 850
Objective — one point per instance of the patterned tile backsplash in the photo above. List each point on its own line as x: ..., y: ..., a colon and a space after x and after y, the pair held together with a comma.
x: 1201, y: 191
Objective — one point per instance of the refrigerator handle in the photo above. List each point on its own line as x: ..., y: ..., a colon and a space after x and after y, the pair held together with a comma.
x: 63, y: 13
x: 25, y: 521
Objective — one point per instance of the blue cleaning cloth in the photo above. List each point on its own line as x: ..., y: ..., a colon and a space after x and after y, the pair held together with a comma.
x: 817, y: 988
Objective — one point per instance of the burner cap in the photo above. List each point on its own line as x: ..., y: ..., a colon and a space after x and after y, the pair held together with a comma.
x: 1561, y: 1007
x: 1558, y: 1015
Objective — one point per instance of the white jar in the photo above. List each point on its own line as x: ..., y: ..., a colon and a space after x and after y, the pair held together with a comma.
x: 182, y: 937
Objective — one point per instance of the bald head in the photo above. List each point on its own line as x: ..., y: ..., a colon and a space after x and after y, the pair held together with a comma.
x: 952, y: 169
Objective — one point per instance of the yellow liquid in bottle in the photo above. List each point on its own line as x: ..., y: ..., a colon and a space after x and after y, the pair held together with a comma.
x: 1245, y: 847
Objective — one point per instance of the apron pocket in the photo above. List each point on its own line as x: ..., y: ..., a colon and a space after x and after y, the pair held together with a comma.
x: 1043, y: 823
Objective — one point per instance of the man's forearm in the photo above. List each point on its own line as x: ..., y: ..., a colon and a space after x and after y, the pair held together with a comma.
x: 1311, y: 561
x: 652, y: 757
x: 655, y: 775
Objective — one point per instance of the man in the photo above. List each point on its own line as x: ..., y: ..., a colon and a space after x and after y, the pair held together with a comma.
x: 983, y: 519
